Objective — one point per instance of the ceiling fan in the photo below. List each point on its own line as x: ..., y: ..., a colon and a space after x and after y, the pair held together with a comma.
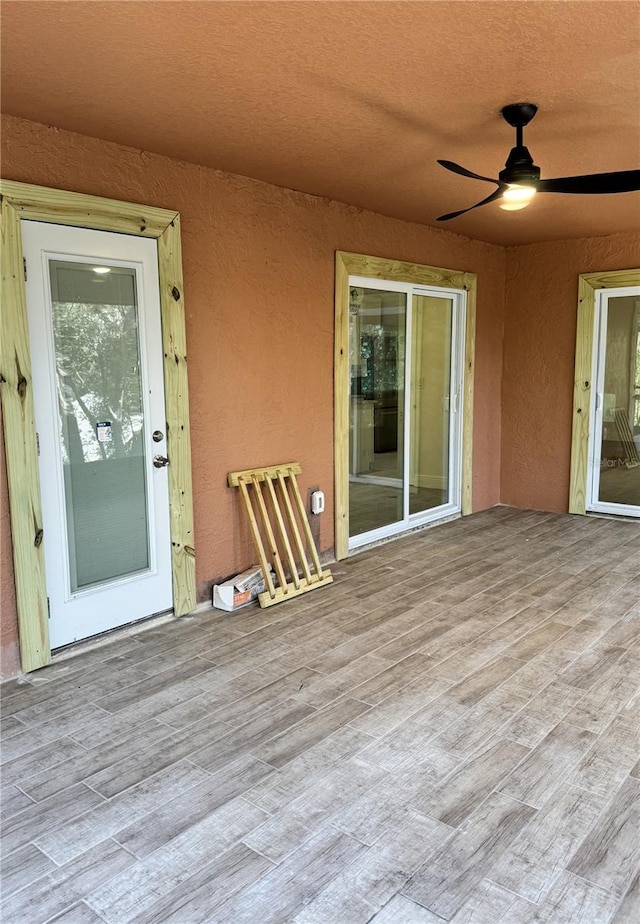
x: 520, y: 180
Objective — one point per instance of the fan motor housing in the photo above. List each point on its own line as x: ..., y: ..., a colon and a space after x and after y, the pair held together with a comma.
x: 520, y: 167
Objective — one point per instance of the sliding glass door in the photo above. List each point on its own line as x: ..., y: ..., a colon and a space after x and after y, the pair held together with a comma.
x: 405, y: 358
x: 430, y: 402
x: 377, y: 347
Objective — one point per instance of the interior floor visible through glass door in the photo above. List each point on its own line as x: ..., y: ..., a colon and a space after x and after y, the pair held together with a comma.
x: 371, y: 503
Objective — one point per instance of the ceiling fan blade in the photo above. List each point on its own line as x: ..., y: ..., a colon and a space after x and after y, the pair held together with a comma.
x: 593, y: 184
x: 494, y: 195
x: 456, y: 168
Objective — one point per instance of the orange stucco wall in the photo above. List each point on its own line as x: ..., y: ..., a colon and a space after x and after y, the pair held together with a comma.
x: 541, y: 294
x: 259, y: 277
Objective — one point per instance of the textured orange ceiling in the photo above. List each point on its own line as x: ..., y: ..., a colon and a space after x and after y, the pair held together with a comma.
x: 350, y: 100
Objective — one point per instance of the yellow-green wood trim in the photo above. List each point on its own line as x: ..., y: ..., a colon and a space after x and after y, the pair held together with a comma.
x: 471, y: 286
x: 612, y: 279
x: 358, y: 264
x: 341, y: 408
x: 174, y: 348
x: 588, y: 285
x: 57, y: 206
x: 355, y: 264
x: 582, y: 397
x: 18, y: 417
x: 39, y: 203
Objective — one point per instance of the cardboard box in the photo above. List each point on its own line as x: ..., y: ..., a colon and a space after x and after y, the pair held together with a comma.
x: 240, y: 590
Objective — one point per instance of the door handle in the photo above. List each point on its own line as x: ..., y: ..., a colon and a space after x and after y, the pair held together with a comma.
x: 160, y: 461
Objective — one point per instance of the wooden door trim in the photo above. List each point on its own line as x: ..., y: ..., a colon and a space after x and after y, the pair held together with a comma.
x: 21, y: 201
x: 354, y: 264
x: 588, y: 285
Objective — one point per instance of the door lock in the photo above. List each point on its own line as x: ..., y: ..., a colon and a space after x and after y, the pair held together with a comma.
x: 160, y: 461
x: 157, y: 436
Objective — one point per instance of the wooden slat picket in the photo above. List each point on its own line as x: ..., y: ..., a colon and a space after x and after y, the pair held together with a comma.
x: 258, y: 485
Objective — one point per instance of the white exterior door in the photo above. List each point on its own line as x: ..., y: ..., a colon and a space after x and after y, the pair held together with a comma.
x: 96, y: 349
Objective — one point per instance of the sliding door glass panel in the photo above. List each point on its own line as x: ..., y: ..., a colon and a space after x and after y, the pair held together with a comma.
x: 377, y: 321
x: 430, y: 402
x: 620, y: 445
x: 97, y: 364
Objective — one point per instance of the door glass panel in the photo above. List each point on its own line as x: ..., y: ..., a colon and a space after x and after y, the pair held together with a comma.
x: 377, y: 321
x: 430, y: 402
x: 97, y: 363
x: 620, y: 448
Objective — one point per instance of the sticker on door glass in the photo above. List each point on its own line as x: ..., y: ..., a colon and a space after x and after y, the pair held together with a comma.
x: 103, y: 431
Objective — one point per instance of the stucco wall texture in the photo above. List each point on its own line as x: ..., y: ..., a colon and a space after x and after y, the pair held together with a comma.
x: 259, y: 292
x: 541, y: 294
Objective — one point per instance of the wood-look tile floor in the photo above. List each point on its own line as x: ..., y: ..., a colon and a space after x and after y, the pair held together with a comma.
x: 450, y: 732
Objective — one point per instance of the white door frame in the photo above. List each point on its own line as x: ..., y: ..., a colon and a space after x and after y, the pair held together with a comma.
x: 92, y: 610
x: 596, y: 410
x: 24, y: 201
x: 584, y: 376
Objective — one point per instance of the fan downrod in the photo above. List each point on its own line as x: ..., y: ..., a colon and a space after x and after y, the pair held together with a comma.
x: 519, y: 114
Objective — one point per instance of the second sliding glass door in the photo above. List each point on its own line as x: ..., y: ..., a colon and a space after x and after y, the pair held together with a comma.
x: 405, y: 349
x: 614, y: 453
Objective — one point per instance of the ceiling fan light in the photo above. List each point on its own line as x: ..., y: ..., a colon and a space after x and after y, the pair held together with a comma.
x: 519, y: 193
x: 513, y: 206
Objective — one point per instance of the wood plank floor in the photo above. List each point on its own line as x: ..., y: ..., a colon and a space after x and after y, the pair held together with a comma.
x: 450, y: 732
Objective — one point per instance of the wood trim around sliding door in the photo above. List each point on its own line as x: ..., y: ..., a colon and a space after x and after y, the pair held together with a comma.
x: 353, y: 264
x: 588, y: 285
